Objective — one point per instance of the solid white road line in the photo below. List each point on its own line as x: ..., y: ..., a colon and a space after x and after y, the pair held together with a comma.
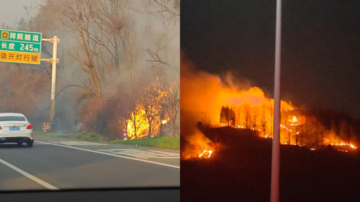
x: 148, y: 154
x: 36, y: 142
x: 31, y: 177
x: 109, y: 154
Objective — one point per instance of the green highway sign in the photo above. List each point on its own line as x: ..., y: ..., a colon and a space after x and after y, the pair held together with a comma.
x: 20, y: 47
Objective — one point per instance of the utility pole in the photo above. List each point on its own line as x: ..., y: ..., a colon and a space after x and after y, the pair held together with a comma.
x: 53, y: 61
x: 275, y: 160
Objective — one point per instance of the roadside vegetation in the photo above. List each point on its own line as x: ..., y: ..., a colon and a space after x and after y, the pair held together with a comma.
x: 50, y: 134
x: 158, y: 142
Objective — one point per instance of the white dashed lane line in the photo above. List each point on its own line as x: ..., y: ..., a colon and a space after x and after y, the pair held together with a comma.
x: 77, y: 143
x: 31, y: 177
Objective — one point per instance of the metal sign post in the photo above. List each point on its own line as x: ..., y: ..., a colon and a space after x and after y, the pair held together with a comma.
x: 53, y: 61
x: 275, y: 161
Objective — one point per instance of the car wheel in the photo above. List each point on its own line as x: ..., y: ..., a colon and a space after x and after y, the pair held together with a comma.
x: 19, y: 143
x: 29, y: 143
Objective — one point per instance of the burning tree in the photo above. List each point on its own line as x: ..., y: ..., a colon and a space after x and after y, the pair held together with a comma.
x: 227, y: 116
x: 136, y: 123
x: 157, y: 106
x: 149, y: 99
x: 246, y: 113
x: 170, y: 105
x: 297, y: 127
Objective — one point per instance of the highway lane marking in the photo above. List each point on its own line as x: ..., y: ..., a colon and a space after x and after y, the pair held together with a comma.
x: 115, y: 155
x: 81, y: 143
x: 31, y: 177
x: 143, y: 154
x: 39, y: 142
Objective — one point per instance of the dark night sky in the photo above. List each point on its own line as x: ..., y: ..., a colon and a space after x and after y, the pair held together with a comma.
x: 320, y: 46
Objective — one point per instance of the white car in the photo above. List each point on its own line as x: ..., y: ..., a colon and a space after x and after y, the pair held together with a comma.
x: 14, y: 127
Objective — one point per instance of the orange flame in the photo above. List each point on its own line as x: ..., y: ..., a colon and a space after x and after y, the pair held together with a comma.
x: 201, y: 147
x: 206, y: 94
x: 138, y: 124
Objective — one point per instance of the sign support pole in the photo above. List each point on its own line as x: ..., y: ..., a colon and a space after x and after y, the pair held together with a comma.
x: 53, y: 61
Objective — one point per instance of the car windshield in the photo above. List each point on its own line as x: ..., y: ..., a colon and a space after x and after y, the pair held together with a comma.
x: 12, y: 118
x: 98, y: 84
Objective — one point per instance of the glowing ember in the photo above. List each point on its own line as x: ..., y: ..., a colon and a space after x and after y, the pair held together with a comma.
x: 312, y: 149
x: 199, y: 147
x: 293, y: 121
x: 164, y: 122
x: 206, y: 154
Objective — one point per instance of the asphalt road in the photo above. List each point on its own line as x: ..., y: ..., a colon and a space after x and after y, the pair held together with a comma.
x: 62, y: 163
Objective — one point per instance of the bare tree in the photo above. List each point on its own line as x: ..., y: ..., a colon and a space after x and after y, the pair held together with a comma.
x: 255, y: 117
x: 77, y: 16
x: 168, y: 13
x: 171, y: 105
x: 149, y: 99
x: 133, y: 118
x: 21, y: 86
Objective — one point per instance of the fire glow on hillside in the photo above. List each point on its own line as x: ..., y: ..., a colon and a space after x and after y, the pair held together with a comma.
x: 252, y: 110
x: 206, y: 97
